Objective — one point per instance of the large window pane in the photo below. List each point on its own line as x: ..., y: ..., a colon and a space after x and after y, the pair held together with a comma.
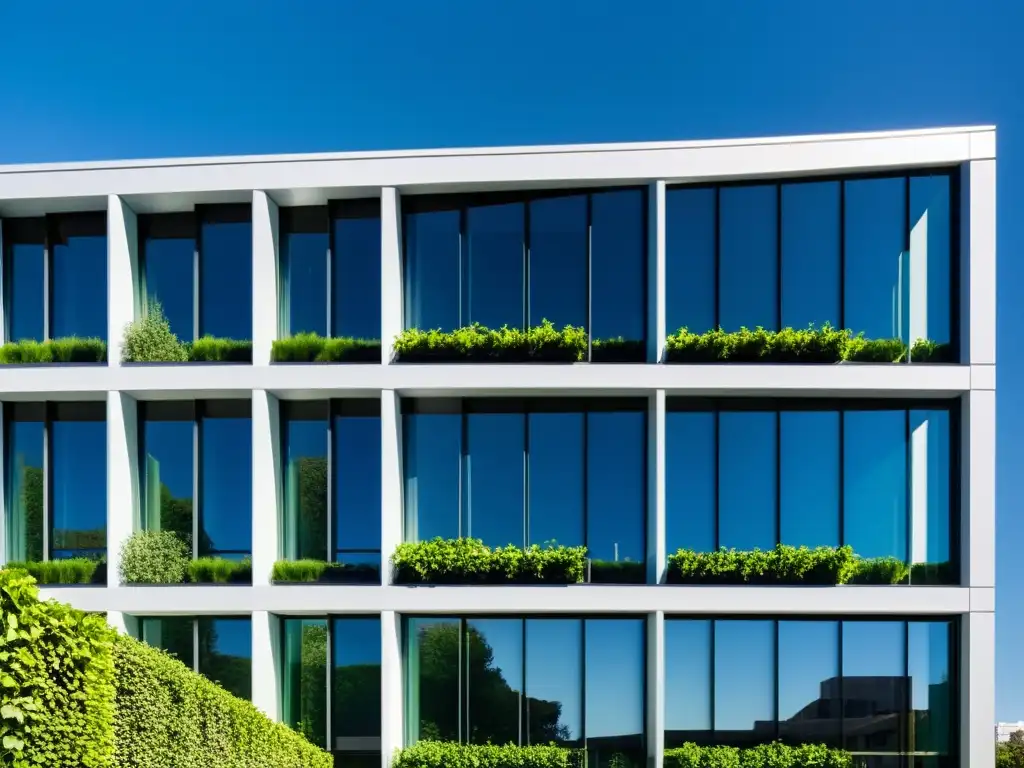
x: 618, y: 262
x: 355, y: 704
x: 432, y: 270
x: 173, y: 634
x: 226, y: 485
x: 169, y: 256
x: 746, y: 480
x: 494, y: 681
x: 24, y: 491
x: 930, y: 268
x: 875, y: 686
x: 690, y: 494
x: 930, y: 495
x: 875, y: 280
x: 809, y: 478
x: 811, y: 290
x: 304, y: 678
x: 433, y: 446
x: 494, y: 478
x: 688, y: 681
x: 78, y: 488
x: 554, y: 681
x: 433, y: 676
x: 495, y: 265
x: 356, y: 276
x: 24, y: 288
x: 357, y: 454
x: 744, y: 682
x: 615, y: 668
x: 809, y: 702
x: 304, y: 246
x: 690, y: 240
x: 875, y: 482
x: 556, y: 455
x: 225, y: 654
x: 558, y: 261
x: 78, y: 301
x: 748, y: 270
x: 932, y: 710
x: 305, y: 485
x: 225, y: 278
x: 168, y: 476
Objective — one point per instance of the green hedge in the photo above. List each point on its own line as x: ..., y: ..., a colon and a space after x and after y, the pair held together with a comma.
x: 470, y: 561
x: 56, y: 681
x: 809, y: 345
x: 164, y: 557
x: 219, y: 570
x: 66, y: 350
x: 775, y: 755
x: 210, y: 349
x: 322, y: 572
x: 446, y: 754
x: 476, y: 343
x: 75, y: 570
x: 313, y: 348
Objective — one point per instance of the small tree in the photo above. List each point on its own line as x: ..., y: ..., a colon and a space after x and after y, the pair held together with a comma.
x: 1010, y: 754
x: 154, y: 557
x: 150, y: 340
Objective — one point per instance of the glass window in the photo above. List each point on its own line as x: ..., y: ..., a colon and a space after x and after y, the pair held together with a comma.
x: 690, y: 243
x: 874, y: 687
x: 26, y: 519
x: 433, y: 269
x: 688, y: 682
x: 618, y: 265
x: 225, y: 654
x: 433, y: 672
x: 78, y: 484
x: 355, y: 700
x: 615, y: 691
x: 24, y: 278
x: 357, y: 473
x: 748, y: 253
x: 495, y: 459
x: 225, y: 451
x: 304, y: 678
x: 174, y: 634
x: 556, y: 478
x: 225, y: 272
x: 168, y: 494
x: 495, y: 238
x: 875, y: 284
x: 932, y: 706
x: 494, y: 681
x: 168, y: 255
x: 305, y: 481
x: 559, y: 239
x: 930, y: 266
x: 433, y: 447
x: 356, y: 271
x: 554, y: 681
x: 811, y: 279
x: 809, y: 478
x: 305, y: 243
x: 875, y: 483
x: 930, y: 492
x: 809, y: 705
x: 744, y: 682
x: 78, y: 301
x: 691, y: 497
x: 746, y: 480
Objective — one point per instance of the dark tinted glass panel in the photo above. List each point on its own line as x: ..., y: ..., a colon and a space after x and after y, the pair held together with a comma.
x: 616, y: 486
x: 305, y: 487
x: 433, y: 674
x: 495, y: 268
x: 226, y: 485
x: 746, y: 480
x: 78, y: 483
x: 556, y: 478
x: 690, y: 494
x: 225, y: 279
x: 356, y: 277
x: 25, y: 291
x: 875, y: 686
x: 875, y: 483
x: 618, y: 265
x: 24, y: 491
x: 174, y: 634
x: 304, y: 678
x: 494, y: 680
x: 690, y: 259
x: 494, y: 478
x: 433, y: 445
x: 225, y: 654
x: 748, y: 273
x: 744, y: 682
x: 168, y: 475
x: 554, y: 681
x: 355, y: 704
x: 558, y: 261
x: 875, y: 280
x: 304, y: 256
x: 809, y: 702
x: 688, y: 645
x: 930, y: 269
x: 170, y: 280
x: 811, y: 280
x: 79, y: 279
x: 357, y: 454
x: 931, y: 694
x: 615, y: 664
x: 809, y: 478
x: 930, y: 494
x: 432, y: 269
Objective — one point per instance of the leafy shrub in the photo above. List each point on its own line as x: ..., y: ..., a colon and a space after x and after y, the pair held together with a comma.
x: 313, y: 348
x: 57, y: 681
x: 219, y: 570
x: 67, y: 350
x: 774, y: 755
x: 861, y: 350
x: 475, y: 343
x: 782, y: 565
x: 150, y: 340
x: 446, y: 754
x: 154, y: 557
x: 925, y: 351
x: 470, y: 561
x: 313, y: 571
x: 210, y: 349
x: 75, y: 570
x: 880, y: 570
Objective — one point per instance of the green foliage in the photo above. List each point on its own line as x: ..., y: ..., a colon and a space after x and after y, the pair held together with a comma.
x: 446, y: 754
x: 168, y: 716
x: 808, y: 345
x: 1010, y: 754
x: 76, y: 570
x: 67, y: 350
x: 154, y: 557
x: 56, y: 681
x: 470, y: 561
x: 318, y: 571
x: 313, y: 348
x: 617, y: 572
x: 618, y: 350
x: 150, y: 340
x: 774, y: 755
x: 210, y: 349
x: 218, y: 570
x: 478, y: 344
x: 880, y: 570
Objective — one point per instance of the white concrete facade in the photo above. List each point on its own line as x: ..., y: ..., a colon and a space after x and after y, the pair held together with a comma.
x: 126, y: 189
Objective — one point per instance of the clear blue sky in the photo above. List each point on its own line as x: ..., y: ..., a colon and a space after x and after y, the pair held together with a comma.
x: 118, y: 79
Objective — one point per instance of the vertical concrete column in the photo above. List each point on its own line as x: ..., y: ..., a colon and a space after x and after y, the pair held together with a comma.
x: 391, y: 286
x: 656, y: 564
x: 655, y: 689
x: 3, y: 502
x: 978, y: 488
x: 3, y: 309
x: 266, y: 485
x: 391, y: 497
x: 391, y: 693
x: 123, y: 623
x: 266, y: 653
x: 656, y: 330
x: 977, y: 689
x: 123, y: 513
x: 265, y: 244
x: 978, y: 262
x: 123, y: 298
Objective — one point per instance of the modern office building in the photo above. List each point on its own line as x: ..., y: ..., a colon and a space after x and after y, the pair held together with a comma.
x: 889, y: 234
